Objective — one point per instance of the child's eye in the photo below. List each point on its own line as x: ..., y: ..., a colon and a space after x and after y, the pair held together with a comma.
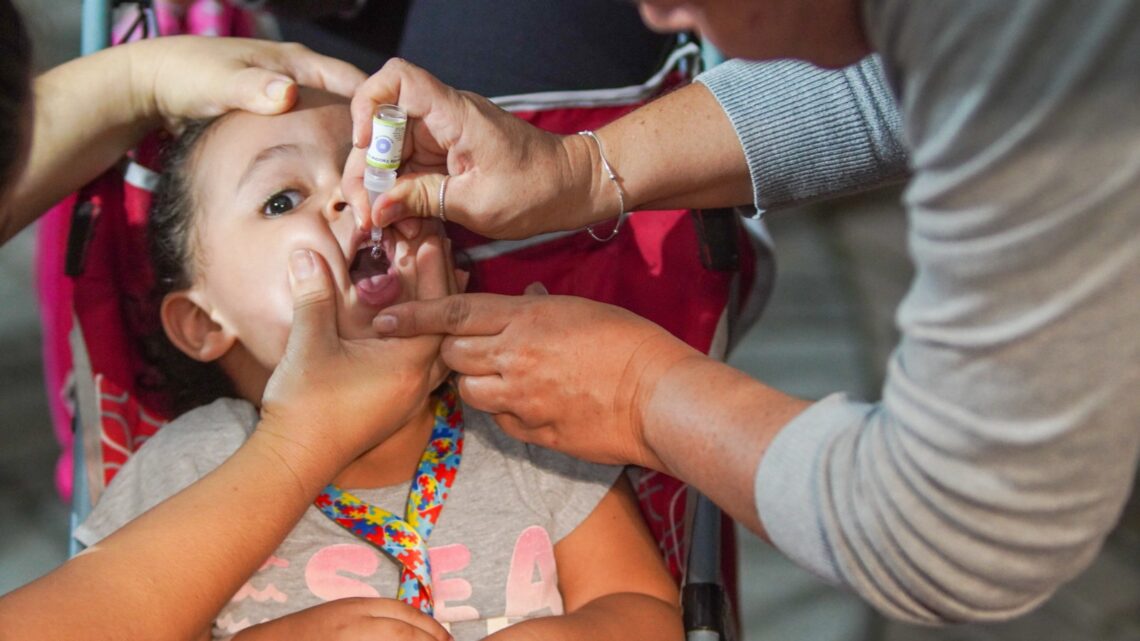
x: 281, y: 202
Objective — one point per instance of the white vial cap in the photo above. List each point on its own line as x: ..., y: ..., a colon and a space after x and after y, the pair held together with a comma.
x: 378, y: 181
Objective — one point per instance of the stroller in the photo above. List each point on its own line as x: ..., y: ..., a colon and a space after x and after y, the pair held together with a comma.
x: 94, y: 285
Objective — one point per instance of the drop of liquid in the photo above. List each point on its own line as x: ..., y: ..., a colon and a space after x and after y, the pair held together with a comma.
x: 377, y: 236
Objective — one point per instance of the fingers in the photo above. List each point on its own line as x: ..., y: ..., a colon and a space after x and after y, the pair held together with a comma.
x: 453, y: 274
x: 370, y: 628
x: 432, y: 269
x: 460, y: 315
x: 488, y: 394
x: 314, y: 304
x: 269, y: 85
x: 312, y: 69
x: 397, y: 82
x: 425, y: 627
x: 410, y: 227
x: 518, y: 429
x: 414, y: 196
x: 260, y: 91
x: 471, y: 355
x: 392, y: 630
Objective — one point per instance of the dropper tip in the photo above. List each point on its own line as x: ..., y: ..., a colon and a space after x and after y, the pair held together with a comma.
x: 377, y: 237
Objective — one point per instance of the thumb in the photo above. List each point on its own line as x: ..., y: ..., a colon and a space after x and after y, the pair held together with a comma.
x: 314, y: 303
x: 414, y: 196
x: 260, y: 91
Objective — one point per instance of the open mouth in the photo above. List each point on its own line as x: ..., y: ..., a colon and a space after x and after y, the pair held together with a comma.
x: 370, y: 274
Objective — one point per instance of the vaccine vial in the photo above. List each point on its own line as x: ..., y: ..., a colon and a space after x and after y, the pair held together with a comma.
x: 383, y: 157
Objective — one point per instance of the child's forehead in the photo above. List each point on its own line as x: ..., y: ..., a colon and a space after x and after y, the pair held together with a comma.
x: 240, y: 136
x: 312, y: 114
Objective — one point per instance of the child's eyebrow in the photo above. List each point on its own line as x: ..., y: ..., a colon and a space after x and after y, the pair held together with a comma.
x: 264, y: 155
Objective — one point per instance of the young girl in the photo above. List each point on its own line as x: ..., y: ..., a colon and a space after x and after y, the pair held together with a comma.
x: 495, y: 538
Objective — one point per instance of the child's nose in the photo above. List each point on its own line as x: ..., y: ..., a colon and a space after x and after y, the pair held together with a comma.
x: 335, y: 207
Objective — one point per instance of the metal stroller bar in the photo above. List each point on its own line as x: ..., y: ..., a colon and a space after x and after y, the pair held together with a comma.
x: 703, y: 601
x: 96, y: 33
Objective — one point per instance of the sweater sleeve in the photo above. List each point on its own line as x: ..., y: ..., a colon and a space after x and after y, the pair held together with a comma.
x: 1006, y: 440
x: 810, y: 133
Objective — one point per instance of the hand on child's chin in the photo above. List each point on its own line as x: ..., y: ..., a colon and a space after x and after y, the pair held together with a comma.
x: 338, y: 396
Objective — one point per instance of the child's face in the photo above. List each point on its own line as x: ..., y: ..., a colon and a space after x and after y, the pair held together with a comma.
x: 265, y: 186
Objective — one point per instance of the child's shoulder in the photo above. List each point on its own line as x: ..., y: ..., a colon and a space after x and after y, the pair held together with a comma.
x: 221, y: 426
x: 181, y: 452
x: 562, y: 489
x: 193, y: 444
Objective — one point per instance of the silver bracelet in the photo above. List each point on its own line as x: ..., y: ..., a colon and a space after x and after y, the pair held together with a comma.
x: 614, y: 179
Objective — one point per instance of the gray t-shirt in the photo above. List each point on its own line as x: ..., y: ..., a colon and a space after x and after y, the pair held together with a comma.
x: 492, y: 551
x: 1007, y: 437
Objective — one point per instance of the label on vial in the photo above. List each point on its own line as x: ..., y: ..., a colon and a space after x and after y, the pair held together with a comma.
x: 387, y: 142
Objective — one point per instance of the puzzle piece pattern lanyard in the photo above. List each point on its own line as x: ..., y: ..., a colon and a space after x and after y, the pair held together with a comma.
x: 406, y: 539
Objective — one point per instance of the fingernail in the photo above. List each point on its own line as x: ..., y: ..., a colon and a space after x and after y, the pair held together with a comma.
x: 395, y: 210
x: 277, y: 88
x: 384, y: 323
x: 302, y: 265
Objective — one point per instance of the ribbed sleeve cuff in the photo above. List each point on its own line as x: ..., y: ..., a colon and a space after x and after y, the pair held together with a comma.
x: 807, y: 132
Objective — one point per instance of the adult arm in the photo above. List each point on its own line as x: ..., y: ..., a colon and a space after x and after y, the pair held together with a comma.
x: 88, y: 112
x: 603, y: 384
x: 803, y: 133
x: 1006, y: 440
x: 167, y: 574
x: 1005, y: 443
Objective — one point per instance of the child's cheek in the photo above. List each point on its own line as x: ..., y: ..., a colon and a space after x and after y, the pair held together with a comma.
x: 274, y: 322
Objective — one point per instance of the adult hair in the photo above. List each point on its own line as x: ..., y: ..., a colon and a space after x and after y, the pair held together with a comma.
x: 15, y: 92
x: 175, y: 255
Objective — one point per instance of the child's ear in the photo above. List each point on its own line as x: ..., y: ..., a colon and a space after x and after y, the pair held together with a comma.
x: 191, y: 329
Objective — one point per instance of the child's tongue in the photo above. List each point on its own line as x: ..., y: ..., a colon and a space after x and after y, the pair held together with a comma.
x: 370, y: 274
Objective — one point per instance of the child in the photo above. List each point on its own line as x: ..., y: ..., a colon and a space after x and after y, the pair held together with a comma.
x: 515, y: 535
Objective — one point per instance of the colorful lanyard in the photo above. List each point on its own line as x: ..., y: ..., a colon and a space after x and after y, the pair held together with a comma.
x: 406, y: 539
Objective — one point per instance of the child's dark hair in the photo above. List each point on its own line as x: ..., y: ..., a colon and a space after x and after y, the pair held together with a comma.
x: 174, y: 256
x: 15, y: 91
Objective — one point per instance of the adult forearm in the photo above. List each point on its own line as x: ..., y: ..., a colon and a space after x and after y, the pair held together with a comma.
x: 170, y: 572
x: 615, y: 617
x: 678, y: 151
x: 771, y: 133
x: 88, y: 113
x: 710, y: 425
